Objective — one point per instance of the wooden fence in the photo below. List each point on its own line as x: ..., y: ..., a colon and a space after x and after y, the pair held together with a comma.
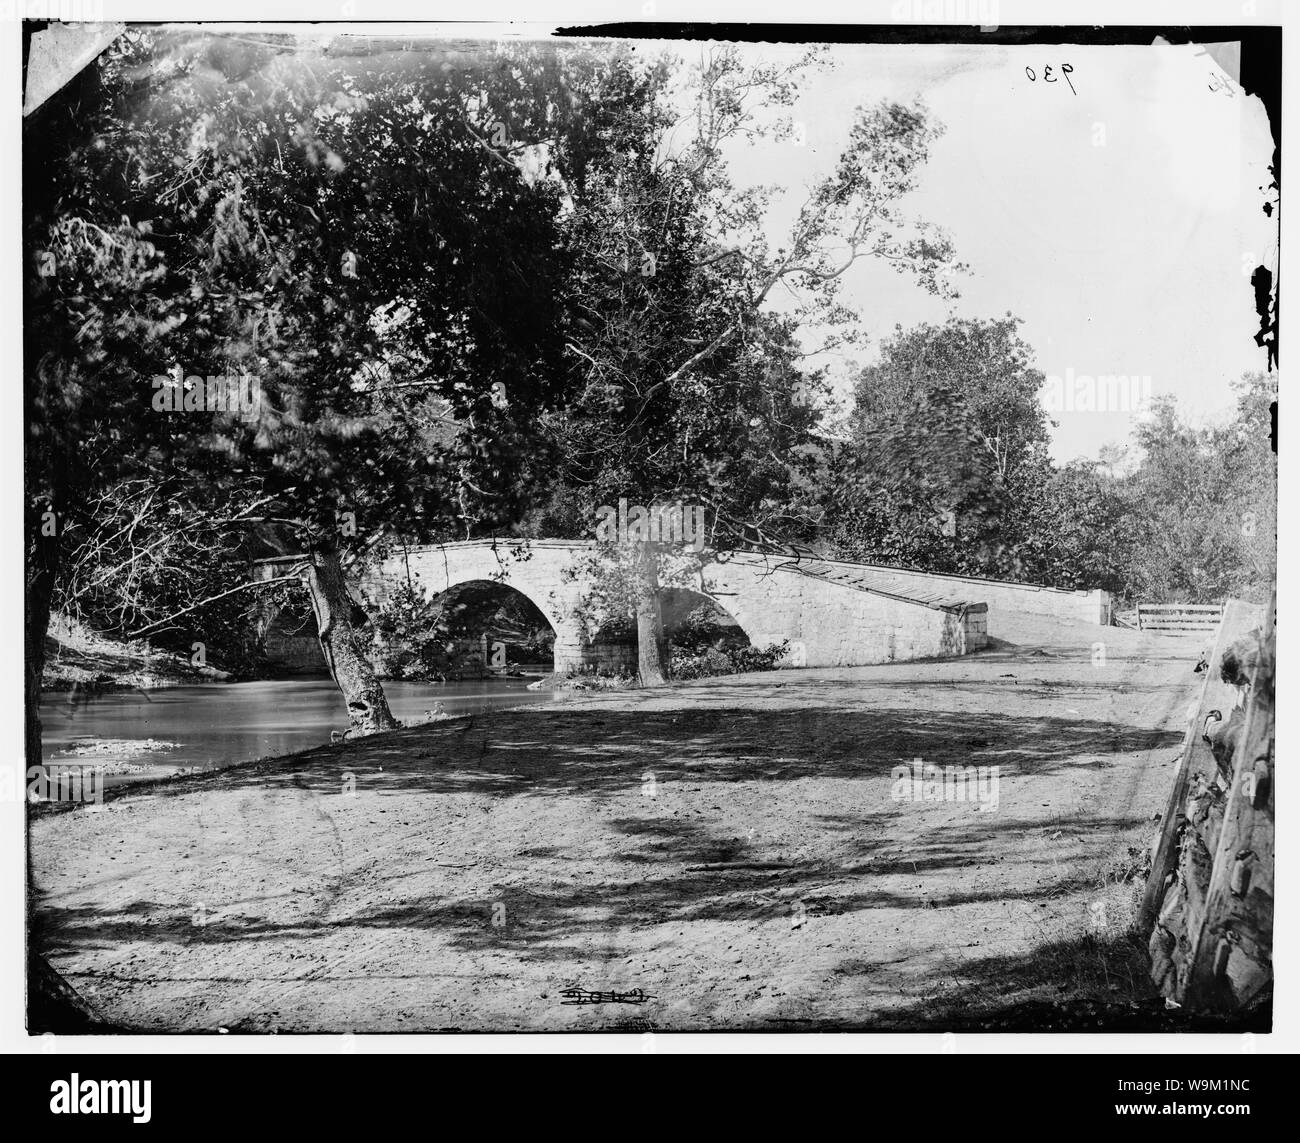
x: 1178, y: 616
x: 1208, y: 905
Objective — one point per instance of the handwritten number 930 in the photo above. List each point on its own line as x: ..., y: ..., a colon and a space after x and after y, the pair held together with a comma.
x: 1066, y: 70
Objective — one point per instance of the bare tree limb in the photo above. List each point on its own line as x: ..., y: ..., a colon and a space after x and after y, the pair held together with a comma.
x: 213, y: 599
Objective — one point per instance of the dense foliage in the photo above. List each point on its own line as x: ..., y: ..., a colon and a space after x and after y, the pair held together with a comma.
x: 946, y: 469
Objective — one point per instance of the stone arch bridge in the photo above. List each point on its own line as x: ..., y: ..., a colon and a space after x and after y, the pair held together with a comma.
x: 835, y: 614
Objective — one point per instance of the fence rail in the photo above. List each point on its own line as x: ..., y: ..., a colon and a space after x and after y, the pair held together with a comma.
x: 1179, y: 616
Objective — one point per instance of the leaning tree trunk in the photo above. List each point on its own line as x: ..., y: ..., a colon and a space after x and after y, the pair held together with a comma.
x: 649, y: 619
x: 343, y: 646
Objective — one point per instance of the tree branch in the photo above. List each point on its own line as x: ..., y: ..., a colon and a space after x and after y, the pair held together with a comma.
x: 213, y: 599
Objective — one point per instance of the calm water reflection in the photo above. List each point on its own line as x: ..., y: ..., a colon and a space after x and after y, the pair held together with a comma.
x: 218, y: 724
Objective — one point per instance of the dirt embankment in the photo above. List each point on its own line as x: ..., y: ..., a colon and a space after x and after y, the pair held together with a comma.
x: 79, y: 659
x: 728, y: 853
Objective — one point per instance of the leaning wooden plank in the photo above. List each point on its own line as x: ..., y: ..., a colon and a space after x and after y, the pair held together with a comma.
x: 1166, y: 854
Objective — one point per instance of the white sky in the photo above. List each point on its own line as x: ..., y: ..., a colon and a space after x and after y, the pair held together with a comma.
x: 1122, y: 258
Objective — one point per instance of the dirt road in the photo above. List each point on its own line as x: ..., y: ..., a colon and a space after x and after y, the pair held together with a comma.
x: 739, y: 850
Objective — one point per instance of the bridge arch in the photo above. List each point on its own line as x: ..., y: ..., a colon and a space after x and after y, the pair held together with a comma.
x: 538, y: 573
x: 685, y: 607
x: 497, y: 616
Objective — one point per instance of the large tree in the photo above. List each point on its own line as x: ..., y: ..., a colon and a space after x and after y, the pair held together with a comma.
x: 693, y: 387
x: 1203, y: 503
x: 96, y: 307
x: 353, y: 232
x: 948, y: 441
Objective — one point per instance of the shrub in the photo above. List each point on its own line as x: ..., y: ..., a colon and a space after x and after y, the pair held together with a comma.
x: 686, y: 664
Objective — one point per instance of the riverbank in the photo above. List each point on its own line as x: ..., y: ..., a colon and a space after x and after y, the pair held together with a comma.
x: 725, y: 853
x: 78, y: 659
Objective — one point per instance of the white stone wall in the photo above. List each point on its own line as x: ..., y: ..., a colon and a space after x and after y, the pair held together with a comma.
x: 829, y: 625
x: 1017, y: 598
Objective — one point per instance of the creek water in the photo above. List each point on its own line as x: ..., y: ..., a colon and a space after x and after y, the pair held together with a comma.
x: 144, y: 734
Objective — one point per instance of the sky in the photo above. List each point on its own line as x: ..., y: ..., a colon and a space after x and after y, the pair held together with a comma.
x: 1120, y: 223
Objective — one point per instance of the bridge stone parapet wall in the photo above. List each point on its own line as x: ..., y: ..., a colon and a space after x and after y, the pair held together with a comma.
x: 835, y: 624
x: 833, y: 613
x: 1007, y: 598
